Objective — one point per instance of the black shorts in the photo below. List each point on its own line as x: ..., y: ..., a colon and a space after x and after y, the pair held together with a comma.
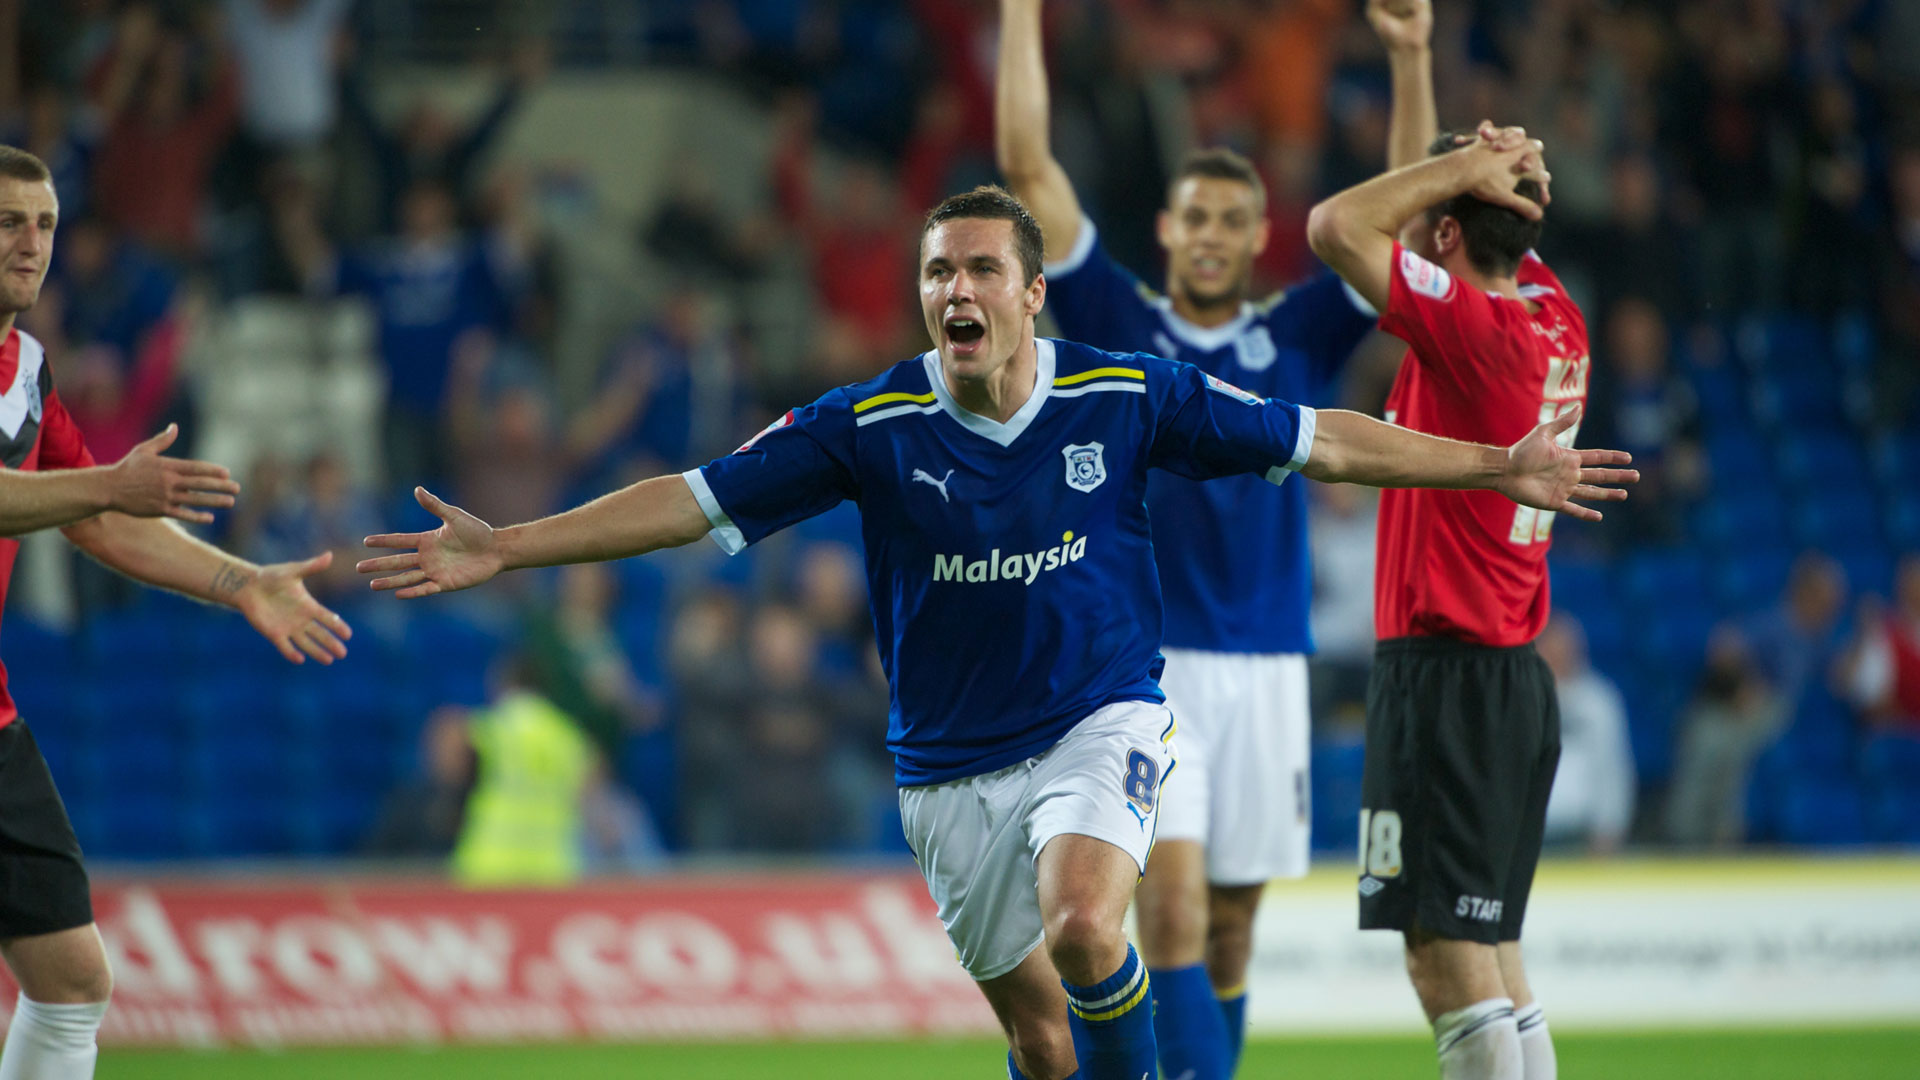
x: 43, y: 887
x: 1462, y: 741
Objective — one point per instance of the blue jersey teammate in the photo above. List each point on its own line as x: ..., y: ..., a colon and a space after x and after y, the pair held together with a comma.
x: 1001, y: 482
x: 1232, y: 554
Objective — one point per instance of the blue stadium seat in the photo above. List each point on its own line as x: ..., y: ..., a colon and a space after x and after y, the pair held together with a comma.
x: 1722, y: 396
x: 1903, y: 520
x: 1818, y: 458
x: 141, y: 826
x: 228, y: 824
x: 1797, y: 397
x: 1838, y: 515
x: 1336, y: 767
x: 448, y: 657
x: 1654, y: 698
x: 1740, y: 458
x: 1824, y: 812
x: 1751, y: 577
x: 140, y: 640
x: 1735, y: 519
x: 1890, y: 770
x: 1869, y: 565
x: 1662, y: 580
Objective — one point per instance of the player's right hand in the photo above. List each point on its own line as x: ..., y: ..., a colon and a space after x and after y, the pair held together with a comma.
x: 145, y: 484
x: 1403, y: 25
x: 460, y: 554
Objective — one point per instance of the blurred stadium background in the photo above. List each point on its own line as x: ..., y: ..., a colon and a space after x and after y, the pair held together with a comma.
x: 527, y: 250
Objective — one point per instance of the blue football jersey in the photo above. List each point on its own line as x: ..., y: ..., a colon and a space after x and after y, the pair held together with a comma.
x: 1010, y: 565
x: 1233, y: 555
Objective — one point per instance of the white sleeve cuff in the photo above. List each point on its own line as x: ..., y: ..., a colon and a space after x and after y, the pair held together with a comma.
x: 1359, y: 302
x: 1302, y: 447
x: 724, y: 531
x: 1082, y: 248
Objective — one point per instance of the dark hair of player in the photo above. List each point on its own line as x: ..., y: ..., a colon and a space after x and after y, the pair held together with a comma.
x: 1220, y: 163
x: 995, y: 203
x: 17, y: 164
x: 1495, y: 236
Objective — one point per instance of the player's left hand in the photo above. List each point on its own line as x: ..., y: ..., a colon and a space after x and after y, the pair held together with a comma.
x: 1545, y: 475
x: 278, y: 605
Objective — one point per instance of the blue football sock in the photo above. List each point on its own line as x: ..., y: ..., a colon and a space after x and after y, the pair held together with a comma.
x: 1233, y: 1007
x: 1112, y: 1023
x: 1189, y: 1025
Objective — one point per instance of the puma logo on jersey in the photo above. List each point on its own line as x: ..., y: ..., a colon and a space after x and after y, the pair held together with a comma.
x: 1017, y: 567
x: 925, y: 477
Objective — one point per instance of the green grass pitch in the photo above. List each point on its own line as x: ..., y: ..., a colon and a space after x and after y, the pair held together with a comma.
x: 1856, y: 1054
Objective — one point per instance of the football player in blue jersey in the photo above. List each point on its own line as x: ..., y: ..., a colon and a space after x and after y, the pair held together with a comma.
x: 1232, y: 555
x: 1001, y: 482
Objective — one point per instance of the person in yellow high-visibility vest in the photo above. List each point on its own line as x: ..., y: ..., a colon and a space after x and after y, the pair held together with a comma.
x: 523, y: 817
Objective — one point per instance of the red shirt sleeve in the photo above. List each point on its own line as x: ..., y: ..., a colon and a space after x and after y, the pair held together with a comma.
x: 61, y: 445
x: 1450, y: 324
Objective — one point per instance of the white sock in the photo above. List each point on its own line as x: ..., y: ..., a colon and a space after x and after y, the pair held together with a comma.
x: 1479, y: 1042
x: 1536, y: 1045
x: 51, y: 1042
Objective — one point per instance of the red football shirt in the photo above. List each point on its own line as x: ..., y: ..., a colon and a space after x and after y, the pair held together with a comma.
x: 35, y: 433
x: 1480, y: 367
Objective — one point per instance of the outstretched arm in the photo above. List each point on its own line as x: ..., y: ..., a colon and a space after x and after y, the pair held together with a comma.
x: 274, y: 598
x: 1537, y: 471
x: 1406, y: 29
x: 143, y: 484
x: 1021, y: 141
x: 1354, y: 231
x: 465, y: 551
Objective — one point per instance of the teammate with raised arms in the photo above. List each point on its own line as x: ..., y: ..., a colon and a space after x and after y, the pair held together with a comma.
x: 1015, y: 604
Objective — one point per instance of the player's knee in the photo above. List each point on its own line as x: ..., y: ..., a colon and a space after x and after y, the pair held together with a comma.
x: 1083, y: 944
x: 79, y: 983
x: 1043, y: 1048
x: 1172, y: 934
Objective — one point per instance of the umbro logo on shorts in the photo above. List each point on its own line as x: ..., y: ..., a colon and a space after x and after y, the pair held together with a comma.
x: 1370, y: 885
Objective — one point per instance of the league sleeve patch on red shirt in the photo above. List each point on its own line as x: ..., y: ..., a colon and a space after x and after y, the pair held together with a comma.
x: 1424, y: 277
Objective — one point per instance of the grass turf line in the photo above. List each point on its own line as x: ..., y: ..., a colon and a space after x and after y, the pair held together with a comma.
x: 1858, y: 1054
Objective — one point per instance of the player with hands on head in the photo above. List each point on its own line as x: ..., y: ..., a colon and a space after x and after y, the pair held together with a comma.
x: 125, y: 516
x: 1462, y: 721
x: 1030, y: 798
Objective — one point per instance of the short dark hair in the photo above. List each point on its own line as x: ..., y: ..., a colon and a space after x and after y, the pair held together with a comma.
x: 1497, y: 238
x: 17, y: 164
x: 1220, y: 163
x: 995, y: 203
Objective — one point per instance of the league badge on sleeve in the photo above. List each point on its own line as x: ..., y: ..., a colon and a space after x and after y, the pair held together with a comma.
x: 1086, y: 469
x: 775, y: 426
x: 1232, y: 391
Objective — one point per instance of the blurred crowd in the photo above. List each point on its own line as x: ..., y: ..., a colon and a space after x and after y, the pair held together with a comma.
x: 1718, y: 165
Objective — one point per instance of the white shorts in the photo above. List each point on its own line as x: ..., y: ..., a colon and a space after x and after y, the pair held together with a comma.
x: 1244, y: 744
x: 976, y: 838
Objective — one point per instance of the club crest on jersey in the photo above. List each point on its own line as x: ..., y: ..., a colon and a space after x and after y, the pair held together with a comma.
x: 1232, y: 391
x: 1086, y: 469
x: 1255, y: 349
x: 775, y: 426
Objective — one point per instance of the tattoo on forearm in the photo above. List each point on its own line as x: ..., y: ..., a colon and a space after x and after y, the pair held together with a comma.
x: 229, y: 580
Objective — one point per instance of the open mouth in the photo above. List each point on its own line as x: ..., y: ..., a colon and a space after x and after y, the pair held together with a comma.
x: 965, y: 334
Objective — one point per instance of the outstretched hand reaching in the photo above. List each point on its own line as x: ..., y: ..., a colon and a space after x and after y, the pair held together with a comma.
x: 460, y: 554
x: 1542, y: 473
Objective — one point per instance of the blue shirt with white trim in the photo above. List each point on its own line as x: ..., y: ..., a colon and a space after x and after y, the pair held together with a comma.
x: 1233, y: 557
x: 1010, y: 565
